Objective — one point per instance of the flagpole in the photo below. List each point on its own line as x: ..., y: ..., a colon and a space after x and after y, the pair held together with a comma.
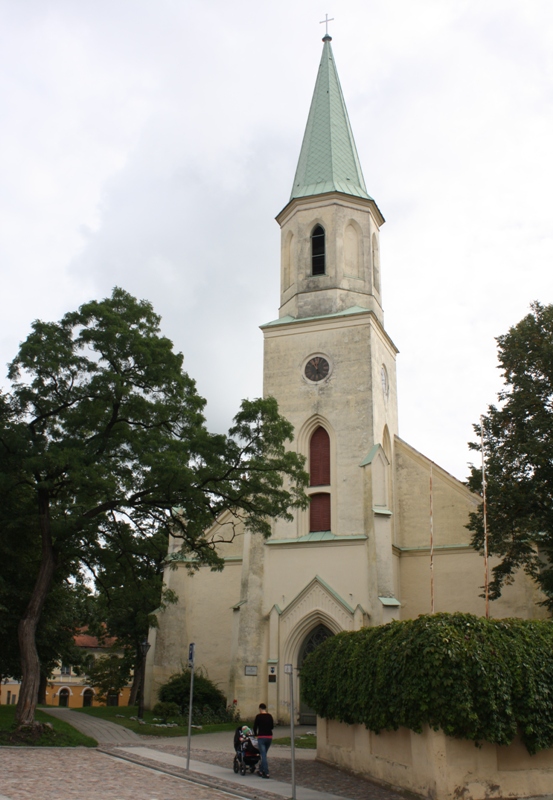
x: 484, y: 514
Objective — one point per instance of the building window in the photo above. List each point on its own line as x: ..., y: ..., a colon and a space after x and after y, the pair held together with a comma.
x: 318, y: 251
x: 88, y: 696
x: 319, y: 475
x: 65, y: 670
x: 319, y: 458
x: 64, y: 698
x: 319, y: 512
x: 112, y: 699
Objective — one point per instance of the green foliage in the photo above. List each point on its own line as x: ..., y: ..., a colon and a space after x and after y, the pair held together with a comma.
x: 166, y: 711
x: 518, y: 442
x: 126, y: 717
x: 306, y: 742
x: 103, y: 445
x: 474, y: 678
x: 108, y: 674
x: 206, y: 694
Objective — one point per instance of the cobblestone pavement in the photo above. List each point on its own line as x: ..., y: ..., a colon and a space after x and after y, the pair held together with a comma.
x: 310, y: 774
x: 83, y: 774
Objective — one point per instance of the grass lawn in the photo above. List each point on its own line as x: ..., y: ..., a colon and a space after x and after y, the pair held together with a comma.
x: 63, y: 734
x: 121, y: 714
x: 307, y: 742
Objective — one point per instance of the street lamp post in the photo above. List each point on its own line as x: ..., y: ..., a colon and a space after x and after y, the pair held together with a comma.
x: 289, y: 670
x: 144, y: 647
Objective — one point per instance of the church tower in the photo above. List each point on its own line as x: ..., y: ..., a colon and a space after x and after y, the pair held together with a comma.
x: 328, y: 360
x: 331, y: 366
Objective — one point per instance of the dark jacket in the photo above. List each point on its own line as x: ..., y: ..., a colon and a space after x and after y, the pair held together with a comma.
x: 263, y: 725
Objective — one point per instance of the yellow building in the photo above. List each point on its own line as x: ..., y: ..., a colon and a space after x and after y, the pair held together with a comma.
x: 67, y: 689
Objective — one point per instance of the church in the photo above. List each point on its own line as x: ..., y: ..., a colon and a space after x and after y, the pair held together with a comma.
x: 360, y: 554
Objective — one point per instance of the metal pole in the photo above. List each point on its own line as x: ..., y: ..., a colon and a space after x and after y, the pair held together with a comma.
x: 144, y: 647
x: 484, y: 514
x: 191, y: 665
x: 290, y: 670
x: 431, y: 544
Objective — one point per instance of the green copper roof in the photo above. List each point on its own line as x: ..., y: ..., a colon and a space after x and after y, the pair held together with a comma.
x: 328, y: 159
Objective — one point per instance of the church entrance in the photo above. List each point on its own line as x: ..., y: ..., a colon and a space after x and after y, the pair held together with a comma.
x: 311, y: 641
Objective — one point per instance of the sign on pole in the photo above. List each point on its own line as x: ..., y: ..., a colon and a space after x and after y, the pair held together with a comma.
x: 191, y: 653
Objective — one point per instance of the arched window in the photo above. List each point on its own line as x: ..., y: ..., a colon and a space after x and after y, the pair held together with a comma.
x: 319, y: 458
x: 376, y: 264
x: 319, y: 512
x: 319, y: 475
x: 64, y: 698
x: 88, y: 696
x: 318, y: 251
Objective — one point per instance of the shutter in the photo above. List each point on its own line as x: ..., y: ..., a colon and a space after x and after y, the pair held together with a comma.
x: 319, y: 512
x: 319, y: 459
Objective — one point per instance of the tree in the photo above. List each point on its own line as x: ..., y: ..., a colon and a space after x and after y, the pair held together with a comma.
x: 128, y: 575
x: 63, y: 610
x: 108, y: 673
x: 102, y: 423
x: 518, y: 443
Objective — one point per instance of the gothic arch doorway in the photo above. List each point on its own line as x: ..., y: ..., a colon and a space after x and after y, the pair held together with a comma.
x: 314, y: 638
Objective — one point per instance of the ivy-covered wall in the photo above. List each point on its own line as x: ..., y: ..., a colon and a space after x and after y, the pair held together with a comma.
x: 474, y: 678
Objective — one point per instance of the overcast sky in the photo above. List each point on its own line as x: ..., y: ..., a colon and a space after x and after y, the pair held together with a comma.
x: 150, y: 145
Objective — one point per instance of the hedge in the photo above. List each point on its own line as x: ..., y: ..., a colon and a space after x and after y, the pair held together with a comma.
x: 478, y: 679
x: 209, y: 703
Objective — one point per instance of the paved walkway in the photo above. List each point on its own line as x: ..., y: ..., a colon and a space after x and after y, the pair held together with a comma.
x: 137, y: 767
x: 100, y: 729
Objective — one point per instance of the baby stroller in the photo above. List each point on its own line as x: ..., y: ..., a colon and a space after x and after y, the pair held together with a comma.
x: 246, y: 754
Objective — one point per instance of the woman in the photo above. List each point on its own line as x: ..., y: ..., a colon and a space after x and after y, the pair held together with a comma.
x: 263, y: 729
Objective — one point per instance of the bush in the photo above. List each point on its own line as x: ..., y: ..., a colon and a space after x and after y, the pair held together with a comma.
x: 474, y: 678
x: 206, y: 693
x: 166, y: 711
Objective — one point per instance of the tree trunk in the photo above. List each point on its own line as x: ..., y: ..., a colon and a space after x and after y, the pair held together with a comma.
x: 30, y: 664
x: 42, y: 689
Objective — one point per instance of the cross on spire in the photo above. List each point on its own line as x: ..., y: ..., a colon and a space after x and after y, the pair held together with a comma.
x: 325, y: 22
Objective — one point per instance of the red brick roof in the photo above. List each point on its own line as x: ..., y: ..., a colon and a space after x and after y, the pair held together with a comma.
x: 83, y: 639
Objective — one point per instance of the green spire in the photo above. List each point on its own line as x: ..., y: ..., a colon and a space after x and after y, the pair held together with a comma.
x: 328, y: 159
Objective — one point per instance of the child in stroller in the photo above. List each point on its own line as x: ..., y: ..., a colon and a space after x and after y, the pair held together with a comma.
x: 246, y: 754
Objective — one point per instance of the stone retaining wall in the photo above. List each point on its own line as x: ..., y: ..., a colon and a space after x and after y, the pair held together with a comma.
x: 436, y: 766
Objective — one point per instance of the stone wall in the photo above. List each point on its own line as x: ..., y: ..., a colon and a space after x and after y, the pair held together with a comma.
x: 436, y: 766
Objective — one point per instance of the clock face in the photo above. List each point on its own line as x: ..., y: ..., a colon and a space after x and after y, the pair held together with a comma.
x: 317, y: 368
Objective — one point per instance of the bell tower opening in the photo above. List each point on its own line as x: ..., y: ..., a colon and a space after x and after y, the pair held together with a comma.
x: 318, y: 244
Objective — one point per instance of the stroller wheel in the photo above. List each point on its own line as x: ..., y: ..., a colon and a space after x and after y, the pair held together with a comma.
x: 236, y: 765
x: 242, y: 770
x: 252, y: 769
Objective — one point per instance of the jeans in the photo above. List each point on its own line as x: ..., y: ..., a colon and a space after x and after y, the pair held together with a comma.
x: 263, y: 745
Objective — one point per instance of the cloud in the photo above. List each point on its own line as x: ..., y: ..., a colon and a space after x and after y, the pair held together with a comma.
x: 151, y: 146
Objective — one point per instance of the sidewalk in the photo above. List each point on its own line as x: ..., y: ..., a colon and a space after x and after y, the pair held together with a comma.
x: 136, y: 760
x: 226, y: 775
